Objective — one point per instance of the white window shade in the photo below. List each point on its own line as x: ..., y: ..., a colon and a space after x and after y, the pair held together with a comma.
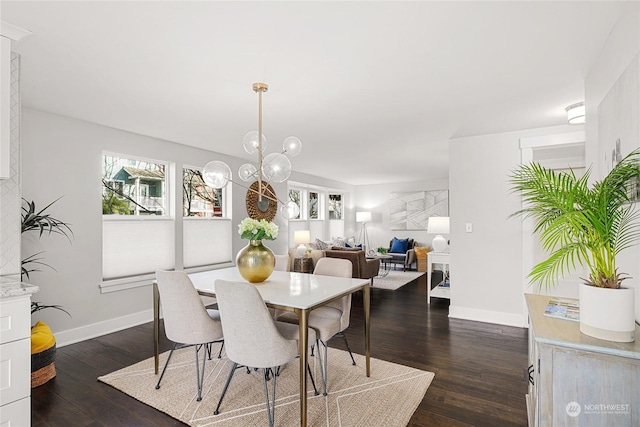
x: 136, y: 247
x: 206, y: 241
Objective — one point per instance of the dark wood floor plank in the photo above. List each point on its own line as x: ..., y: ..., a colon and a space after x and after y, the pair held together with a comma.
x: 479, y: 367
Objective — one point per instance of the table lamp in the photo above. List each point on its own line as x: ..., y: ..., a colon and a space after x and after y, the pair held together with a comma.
x: 438, y: 225
x: 300, y: 237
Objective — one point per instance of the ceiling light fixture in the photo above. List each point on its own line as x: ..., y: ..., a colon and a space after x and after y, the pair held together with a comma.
x: 275, y: 167
x: 576, y: 113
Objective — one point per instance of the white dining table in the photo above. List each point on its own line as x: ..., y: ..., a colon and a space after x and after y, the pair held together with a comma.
x: 300, y: 293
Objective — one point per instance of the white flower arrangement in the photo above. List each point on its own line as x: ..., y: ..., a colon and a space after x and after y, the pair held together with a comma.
x: 253, y: 229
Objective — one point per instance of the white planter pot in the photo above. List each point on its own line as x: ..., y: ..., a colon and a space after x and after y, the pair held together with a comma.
x: 607, y: 314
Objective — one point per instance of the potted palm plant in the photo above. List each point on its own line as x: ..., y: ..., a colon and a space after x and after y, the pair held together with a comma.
x: 589, y: 226
x: 43, y: 344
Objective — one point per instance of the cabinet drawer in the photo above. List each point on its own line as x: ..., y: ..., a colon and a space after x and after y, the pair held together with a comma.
x: 15, y: 371
x: 15, y: 319
x: 16, y: 413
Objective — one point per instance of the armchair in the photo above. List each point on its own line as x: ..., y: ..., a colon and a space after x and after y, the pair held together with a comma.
x: 401, y: 256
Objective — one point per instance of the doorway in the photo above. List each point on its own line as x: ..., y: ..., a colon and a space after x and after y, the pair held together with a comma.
x: 559, y: 152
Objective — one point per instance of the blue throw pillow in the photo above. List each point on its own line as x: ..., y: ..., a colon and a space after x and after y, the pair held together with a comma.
x: 399, y: 246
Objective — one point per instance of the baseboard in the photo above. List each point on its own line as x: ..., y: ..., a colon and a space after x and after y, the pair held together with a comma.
x: 497, y: 317
x: 93, y: 330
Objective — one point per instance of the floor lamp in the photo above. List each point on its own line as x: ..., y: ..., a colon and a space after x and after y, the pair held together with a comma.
x: 363, y: 217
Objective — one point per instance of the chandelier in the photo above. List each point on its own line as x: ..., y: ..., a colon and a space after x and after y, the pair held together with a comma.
x: 262, y: 201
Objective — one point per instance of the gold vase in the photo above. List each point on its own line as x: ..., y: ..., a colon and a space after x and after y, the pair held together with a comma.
x: 255, y: 262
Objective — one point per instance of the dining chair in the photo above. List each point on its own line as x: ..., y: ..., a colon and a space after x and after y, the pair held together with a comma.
x: 282, y: 263
x: 253, y: 339
x: 186, y: 320
x: 331, y: 319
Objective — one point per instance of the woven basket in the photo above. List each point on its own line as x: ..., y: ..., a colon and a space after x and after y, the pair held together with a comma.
x: 43, y: 375
x: 43, y: 354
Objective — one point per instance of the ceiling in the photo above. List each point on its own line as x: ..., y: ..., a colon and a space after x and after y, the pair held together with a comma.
x: 373, y: 89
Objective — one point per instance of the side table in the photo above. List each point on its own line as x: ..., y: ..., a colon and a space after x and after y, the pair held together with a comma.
x: 303, y: 265
x: 384, y: 265
x: 439, y: 291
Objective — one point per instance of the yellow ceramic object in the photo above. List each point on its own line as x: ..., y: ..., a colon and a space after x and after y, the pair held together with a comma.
x: 255, y: 262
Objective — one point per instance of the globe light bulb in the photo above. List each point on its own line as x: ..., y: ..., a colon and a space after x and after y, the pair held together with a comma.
x: 216, y: 174
x: 250, y: 142
x: 292, y: 146
x: 247, y: 172
x: 276, y: 167
x: 290, y: 210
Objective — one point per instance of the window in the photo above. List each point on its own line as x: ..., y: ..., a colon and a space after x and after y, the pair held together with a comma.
x: 133, y: 192
x: 133, y: 187
x: 295, y: 197
x: 207, y: 238
x: 335, y: 206
x: 314, y: 205
x: 198, y: 199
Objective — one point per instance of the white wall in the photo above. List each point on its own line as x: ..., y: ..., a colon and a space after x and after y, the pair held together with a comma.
x: 486, y: 264
x: 612, y: 90
x: 62, y: 157
x: 375, y: 199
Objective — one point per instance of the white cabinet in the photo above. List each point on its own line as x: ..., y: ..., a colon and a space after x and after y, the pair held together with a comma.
x: 577, y: 380
x: 15, y: 353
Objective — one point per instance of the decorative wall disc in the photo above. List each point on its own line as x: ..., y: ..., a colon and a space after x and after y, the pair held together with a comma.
x: 265, y: 209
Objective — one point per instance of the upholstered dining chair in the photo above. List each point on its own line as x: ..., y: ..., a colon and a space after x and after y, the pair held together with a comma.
x: 253, y: 339
x: 282, y: 263
x: 186, y: 320
x: 329, y: 320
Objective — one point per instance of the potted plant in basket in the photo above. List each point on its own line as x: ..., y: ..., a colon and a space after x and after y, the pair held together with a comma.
x: 586, y: 225
x: 43, y: 343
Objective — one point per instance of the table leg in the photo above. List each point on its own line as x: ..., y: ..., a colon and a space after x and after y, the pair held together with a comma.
x: 156, y: 326
x: 303, y: 335
x: 429, y: 269
x: 366, y: 291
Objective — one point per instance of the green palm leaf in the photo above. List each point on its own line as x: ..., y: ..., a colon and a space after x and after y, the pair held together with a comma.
x: 579, y: 225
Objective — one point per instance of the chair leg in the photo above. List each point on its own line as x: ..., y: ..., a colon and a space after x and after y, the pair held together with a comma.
x: 226, y: 386
x: 313, y: 383
x: 344, y: 337
x: 220, y: 352
x: 208, y: 347
x: 199, y: 373
x: 271, y: 407
x: 322, y: 355
x: 166, y: 364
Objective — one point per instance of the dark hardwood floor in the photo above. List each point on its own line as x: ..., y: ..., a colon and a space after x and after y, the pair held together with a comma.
x: 480, y: 367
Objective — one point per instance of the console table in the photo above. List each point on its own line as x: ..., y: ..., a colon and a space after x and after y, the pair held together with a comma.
x: 577, y: 380
x: 439, y: 291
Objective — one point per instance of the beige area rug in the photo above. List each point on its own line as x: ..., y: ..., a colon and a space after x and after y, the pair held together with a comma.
x: 388, y: 398
x: 396, y: 279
